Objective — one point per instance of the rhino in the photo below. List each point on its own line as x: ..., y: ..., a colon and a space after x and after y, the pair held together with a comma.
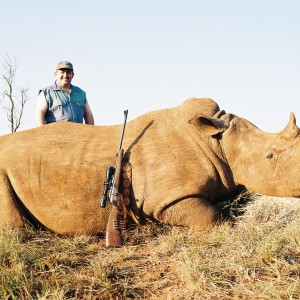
x: 184, y: 160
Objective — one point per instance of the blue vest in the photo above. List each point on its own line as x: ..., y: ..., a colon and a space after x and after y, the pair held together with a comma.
x: 63, y: 106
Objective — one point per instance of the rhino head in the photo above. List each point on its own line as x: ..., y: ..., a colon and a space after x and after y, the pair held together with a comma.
x: 265, y: 163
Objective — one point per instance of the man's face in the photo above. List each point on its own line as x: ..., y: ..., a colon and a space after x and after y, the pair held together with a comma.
x: 64, y: 77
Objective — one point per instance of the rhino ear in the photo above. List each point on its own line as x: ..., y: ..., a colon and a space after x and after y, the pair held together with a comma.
x: 291, y: 130
x: 209, y: 125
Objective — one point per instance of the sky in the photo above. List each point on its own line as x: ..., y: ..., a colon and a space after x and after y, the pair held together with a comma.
x: 144, y: 55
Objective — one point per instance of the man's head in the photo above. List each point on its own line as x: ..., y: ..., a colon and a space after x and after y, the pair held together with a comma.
x: 64, y: 73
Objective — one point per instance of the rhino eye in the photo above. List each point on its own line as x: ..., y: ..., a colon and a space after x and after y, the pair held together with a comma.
x: 272, y: 157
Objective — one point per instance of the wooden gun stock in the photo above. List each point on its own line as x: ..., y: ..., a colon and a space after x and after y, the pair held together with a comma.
x: 113, y: 232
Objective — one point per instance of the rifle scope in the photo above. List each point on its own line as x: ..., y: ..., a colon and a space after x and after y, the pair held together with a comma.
x: 110, y: 171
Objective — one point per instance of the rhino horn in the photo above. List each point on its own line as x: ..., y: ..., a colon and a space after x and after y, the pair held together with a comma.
x: 291, y: 130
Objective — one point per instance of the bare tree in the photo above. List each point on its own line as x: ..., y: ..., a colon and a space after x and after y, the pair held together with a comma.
x: 13, y: 102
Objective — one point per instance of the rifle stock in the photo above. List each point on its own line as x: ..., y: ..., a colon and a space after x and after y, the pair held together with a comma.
x: 113, y: 234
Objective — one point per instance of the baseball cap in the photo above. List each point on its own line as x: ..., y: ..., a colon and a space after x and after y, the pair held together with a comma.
x: 64, y: 65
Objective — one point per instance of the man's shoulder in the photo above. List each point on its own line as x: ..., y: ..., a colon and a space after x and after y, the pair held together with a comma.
x: 77, y: 89
x: 43, y: 91
x: 49, y: 88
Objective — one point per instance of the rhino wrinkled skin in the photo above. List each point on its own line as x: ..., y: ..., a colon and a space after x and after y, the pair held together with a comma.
x: 184, y: 160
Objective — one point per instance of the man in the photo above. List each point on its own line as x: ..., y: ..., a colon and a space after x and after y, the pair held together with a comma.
x: 63, y: 101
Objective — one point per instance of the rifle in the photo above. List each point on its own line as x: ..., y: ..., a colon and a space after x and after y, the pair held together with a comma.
x: 112, y: 184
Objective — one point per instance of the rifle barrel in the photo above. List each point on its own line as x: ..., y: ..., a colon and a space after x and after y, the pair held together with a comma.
x: 123, y: 130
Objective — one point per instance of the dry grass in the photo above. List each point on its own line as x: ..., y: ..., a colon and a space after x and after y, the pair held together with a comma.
x: 258, y: 257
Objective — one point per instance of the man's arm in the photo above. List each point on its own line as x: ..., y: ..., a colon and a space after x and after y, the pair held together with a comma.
x: 41, y: 109
x: 88, y: 115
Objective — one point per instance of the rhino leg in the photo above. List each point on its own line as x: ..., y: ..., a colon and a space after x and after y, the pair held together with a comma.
x: 10, y: 211
x: 195, y: 213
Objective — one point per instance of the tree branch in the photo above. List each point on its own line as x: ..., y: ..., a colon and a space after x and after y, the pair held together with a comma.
x: 12, y: 104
